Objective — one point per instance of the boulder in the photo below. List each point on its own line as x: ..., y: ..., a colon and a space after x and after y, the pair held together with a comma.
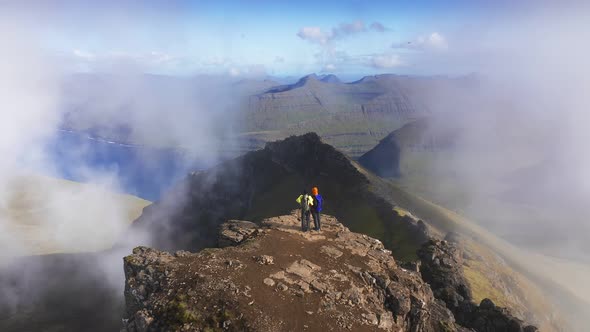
x: 234, y: 232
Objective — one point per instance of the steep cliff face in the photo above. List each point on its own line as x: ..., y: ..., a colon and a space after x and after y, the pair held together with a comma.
x: 280, y: 279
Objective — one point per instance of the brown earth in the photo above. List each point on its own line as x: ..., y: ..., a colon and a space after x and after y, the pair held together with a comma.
x: 281, y: 279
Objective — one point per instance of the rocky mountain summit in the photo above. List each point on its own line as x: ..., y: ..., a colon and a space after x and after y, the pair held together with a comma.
x: 265, y: 183
x: 273, y: 277
x: 280, y: 279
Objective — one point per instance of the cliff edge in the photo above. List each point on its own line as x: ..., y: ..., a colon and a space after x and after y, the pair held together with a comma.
x: 273, y: 277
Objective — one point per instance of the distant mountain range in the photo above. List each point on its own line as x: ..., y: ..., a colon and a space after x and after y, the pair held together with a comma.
x: 352, y: 116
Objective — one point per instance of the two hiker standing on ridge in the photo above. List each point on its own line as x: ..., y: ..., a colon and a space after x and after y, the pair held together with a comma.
x: 310, y: 204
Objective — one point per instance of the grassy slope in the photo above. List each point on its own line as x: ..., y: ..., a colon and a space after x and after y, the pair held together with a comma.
x: 507, y: 274
x: 436, y: 176
x: 33, y: 199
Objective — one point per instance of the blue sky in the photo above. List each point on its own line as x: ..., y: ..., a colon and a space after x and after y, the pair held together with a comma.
x: 257, y: 37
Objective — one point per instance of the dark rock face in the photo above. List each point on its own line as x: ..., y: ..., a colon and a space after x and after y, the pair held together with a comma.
x: 442, y: 268
x: 339, y: 280
x: 189, y: 215
x: 442, y: 265
x: 490, y: 318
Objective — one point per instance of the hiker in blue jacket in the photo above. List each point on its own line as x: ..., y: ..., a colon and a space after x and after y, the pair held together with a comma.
x: 316, y: 208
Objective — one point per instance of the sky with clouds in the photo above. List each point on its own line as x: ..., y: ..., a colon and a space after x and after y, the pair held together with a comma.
x: 258, y: 37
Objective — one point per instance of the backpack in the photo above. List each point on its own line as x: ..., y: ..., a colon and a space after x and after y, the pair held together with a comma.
x: 304, y: 204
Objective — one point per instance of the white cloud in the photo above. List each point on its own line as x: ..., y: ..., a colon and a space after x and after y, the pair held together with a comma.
x: 279, y: 59
x: 234, y: 72
x: 329, y: 67
x: 318, y: 36
x: 329, y: 57
x: 386, y: 61
x: 252, y: 71
x: 159, y: 57
x: 314, y: 35
x: 256, y: 70
x: 436, y: 41
x: 116, y: 59
x: 432, y: 42
x: 216, y: 61
x: 83, y: 54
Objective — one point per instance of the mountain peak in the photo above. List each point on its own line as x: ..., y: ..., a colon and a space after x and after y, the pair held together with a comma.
x: 330, y: 78
x: 265, y: 183
x: 242, y: 187
x: 308, y: 79
x: 303, y: 81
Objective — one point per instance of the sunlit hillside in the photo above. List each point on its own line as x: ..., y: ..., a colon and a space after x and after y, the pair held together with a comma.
x: 43, y: 215
x: 525, y: 281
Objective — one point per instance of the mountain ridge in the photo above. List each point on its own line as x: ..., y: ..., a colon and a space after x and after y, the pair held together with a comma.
x: 243, y: 188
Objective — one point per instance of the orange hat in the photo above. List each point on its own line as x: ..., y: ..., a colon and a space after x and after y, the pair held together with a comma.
x: 314, y: 190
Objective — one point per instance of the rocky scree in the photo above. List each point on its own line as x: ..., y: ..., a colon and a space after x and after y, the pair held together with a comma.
x: 280, y: 279
x: 441, y: 267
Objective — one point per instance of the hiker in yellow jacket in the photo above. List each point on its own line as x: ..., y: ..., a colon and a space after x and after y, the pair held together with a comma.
x: 306, y: 202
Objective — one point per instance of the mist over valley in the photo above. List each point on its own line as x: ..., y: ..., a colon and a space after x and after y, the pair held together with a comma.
x: 153, y: 153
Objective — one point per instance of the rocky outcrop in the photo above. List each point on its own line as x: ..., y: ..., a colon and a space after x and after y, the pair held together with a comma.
x: 234, y: 232
x: 487, y: 317
x: 442, y: 268
x: 281, y: 279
